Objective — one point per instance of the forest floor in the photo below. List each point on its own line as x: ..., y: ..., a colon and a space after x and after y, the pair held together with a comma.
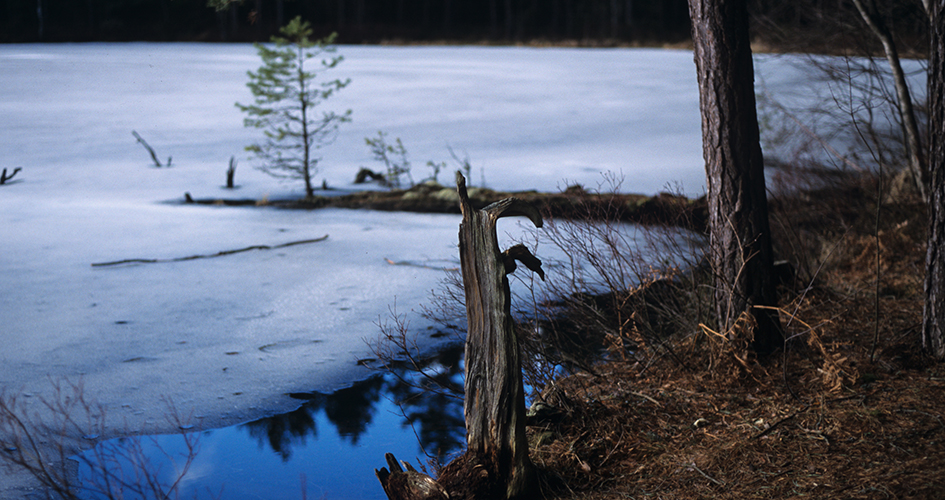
x: 851, y: 408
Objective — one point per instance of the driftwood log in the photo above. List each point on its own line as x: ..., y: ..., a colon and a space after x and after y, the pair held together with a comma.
x: 496, y: 463
x: 207, y: 256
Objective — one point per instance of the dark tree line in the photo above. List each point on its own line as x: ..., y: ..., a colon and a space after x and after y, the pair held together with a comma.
x: 355, y: 21
x: 815, y: 25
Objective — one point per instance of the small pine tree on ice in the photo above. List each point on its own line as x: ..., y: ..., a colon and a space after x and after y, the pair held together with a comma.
x: 286, y: 95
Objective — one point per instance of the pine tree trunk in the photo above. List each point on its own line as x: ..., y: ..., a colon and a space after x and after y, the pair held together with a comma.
x: 739, y: 234
x: 305, y: 135
x: 933, y: 319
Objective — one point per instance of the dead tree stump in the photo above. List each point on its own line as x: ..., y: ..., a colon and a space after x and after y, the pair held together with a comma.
x: 494, y: 405
x: 496, y: 463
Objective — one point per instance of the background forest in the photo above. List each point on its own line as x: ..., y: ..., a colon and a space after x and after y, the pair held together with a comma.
x: 820, y: 25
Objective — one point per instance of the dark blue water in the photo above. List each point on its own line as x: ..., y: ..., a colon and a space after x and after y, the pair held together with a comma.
x: 327, y: 448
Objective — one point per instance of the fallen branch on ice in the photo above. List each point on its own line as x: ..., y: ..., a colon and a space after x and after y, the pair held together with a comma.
x: 218, y: 254
x: 415, y: 264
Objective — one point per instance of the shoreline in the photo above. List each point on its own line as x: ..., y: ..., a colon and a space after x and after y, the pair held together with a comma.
x: 430, y: 197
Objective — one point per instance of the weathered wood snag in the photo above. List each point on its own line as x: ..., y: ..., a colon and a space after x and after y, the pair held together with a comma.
x: 494, y: 405
x: 496, y: 463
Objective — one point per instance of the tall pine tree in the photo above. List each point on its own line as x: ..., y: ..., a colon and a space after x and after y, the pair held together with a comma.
x: 739, y: 234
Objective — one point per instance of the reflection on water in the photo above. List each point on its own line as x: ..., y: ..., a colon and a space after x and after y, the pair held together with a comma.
x: 335, y: 441
x: 430, y: 402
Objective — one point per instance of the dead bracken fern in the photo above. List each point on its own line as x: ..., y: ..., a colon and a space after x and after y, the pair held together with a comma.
x: 730, y: 355
x: 836, y: 369
x: 641, y: 314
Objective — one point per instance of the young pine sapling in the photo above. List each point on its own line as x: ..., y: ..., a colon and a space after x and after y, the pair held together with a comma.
x: 286, y: 94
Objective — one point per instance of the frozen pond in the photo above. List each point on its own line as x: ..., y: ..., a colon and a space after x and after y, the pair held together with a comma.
x: 260, y: 324
x: 226, y: 338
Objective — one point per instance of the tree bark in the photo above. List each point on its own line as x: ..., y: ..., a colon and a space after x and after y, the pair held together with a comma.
x: 933, y: 317
x: 739, y: 234
x: 494, y: 404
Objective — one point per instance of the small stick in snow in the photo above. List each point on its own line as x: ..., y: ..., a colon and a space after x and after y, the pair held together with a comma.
x: 230, y: 172
x: 4, y: 177
x: 218, y: 254
x: 147, y: 146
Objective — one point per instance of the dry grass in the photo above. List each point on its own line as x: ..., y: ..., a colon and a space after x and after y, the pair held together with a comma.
x: 850, y: 409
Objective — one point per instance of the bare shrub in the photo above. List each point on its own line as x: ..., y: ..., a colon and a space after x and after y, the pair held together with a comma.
x: 47, y: 444
x: 613, y: 290
x: 622, y: 288
x: 400, y: 353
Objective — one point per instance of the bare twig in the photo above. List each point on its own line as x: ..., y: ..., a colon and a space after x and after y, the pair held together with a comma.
x: 147, y: 146
x: 779, y: 422
x: 692, y: 465
x: 810, y: 133
x: 4, y: 177
x: 42, y: 446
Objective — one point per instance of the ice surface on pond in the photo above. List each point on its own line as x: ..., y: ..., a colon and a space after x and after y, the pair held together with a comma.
x: 292, y: 319
x: 228, y: 336
x: 527, y: 118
